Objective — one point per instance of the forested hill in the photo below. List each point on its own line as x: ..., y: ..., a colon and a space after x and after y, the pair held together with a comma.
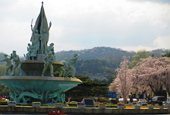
x: 98, y: 61
x: 102, y: 53
x: 101, y: 61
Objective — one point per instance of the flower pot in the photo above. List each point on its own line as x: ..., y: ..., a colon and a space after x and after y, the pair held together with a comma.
x: 36, y: 104
x: 121, y: 106
x: 81, y: 106
x: 11, y: 103
x: 161, y: 107
x: 137, y: 107
x: 167, y: 105
x: 150, y: 107
x: 156, y: 106
x: 59, y: 105
x: 102, y: 106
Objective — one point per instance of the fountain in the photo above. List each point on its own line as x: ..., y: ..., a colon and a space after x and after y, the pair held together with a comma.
x: 33, y: 79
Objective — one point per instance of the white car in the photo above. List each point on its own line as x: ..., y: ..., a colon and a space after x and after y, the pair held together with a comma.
x: 134, y: 100
x: 167, y: 100
x: 142, y: 102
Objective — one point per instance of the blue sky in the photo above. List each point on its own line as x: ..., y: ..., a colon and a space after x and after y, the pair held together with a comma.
x: 130, y: 25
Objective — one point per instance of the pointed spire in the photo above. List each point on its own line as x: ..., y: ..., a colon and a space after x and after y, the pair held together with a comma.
x: 41, y: 25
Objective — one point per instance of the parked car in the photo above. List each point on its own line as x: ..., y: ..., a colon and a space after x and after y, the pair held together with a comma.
x: 128, y: 100
x: 167, y: 100
x: 134, y: 101
x: 158, y: 100
x: 142, y: 102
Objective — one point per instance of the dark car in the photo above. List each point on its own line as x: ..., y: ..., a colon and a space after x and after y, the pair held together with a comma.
x: 157, y: 100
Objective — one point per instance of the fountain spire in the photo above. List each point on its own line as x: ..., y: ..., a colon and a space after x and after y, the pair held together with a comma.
x: 40, y: 35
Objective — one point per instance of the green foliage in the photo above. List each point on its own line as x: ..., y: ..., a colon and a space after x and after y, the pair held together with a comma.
x: 102, y: 99
x: 103, y: 60
x: 158, y: 52
x: 112, y: 105
x: 110, y: 80
x: 137, y: 58
x: 3, y: 103
x: 86, y: 89
x: 4, y: 90
x: 2, y: 70
x: 72, y: 104
x: 166, y: 54
x: 24, y: 104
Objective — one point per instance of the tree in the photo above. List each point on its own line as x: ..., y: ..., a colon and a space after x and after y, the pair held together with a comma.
x: 137, y: 58
x: 113, y: 87
x: 87, y: 88
x: 123, y: 79
x: 166, y: 54
x: 153, y: 73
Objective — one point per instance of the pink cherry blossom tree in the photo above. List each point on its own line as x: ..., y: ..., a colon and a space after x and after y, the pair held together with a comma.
x: 153, y: 73
x: 123, y: 80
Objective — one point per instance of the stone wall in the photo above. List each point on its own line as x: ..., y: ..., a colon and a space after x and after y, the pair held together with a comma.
x: 74, y: 110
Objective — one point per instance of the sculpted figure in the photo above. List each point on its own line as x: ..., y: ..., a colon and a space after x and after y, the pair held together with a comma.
x: 62, y: 71
x: 33, y: 52
x: 50, y: 48
x: 13, y: 96
x: 35, y: 39
x: 48, y: 60
x: 27, y: 56
x: 71, y: 63
x: 44, y: 38
x: 15, y: 62
x: 8, y: 64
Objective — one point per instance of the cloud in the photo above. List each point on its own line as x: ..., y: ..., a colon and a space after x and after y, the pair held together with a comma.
x: 158, y: 1
x: 86, y: 24
x: 136, y: 48
x: 162, y: 41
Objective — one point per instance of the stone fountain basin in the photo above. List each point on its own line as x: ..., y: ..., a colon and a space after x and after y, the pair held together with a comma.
x: 39, y: 83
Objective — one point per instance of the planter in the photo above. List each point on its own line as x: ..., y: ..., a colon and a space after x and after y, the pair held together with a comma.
x: 102, y: 106
x: 36, y: 104
x: 161, y: 107
x: 112, y: 106
x: 59, y: 105
x: 81, y: 106
x: 130, y: 106
x: 11, y: 103
x: 137, y: 107
x: 150, y: 107
x: 156, y: 106
x: 120, y: 106
x: 167, y: 105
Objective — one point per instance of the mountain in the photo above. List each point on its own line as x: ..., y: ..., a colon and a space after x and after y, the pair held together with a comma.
x: 98, y: 62
x: 94, y: 53
x: 101, y: 62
